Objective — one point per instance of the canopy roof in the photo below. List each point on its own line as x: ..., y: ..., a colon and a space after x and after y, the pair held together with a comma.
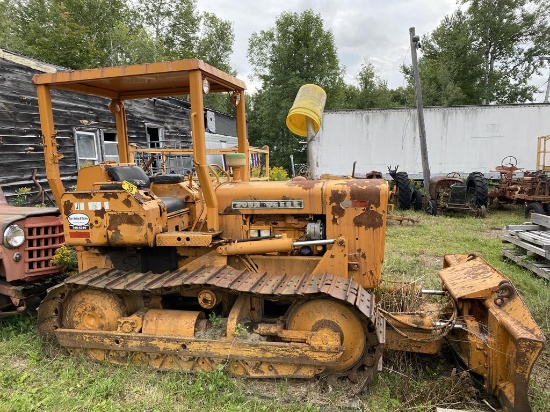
x: 159, y: 79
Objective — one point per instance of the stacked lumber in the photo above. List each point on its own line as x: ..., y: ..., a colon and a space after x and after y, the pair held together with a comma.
x: 532, y: 245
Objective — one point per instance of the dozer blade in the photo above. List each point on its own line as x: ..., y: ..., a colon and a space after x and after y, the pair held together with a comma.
x: 498, y: 338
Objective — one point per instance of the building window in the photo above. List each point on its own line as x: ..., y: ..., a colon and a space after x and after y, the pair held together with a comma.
x: 110, y: 147
x: 86, y: 148
x: 155, y: 135
x: 93, y: 147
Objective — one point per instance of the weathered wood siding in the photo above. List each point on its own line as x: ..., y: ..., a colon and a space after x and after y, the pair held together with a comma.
x: 21, y: 149
x: 20, y: 142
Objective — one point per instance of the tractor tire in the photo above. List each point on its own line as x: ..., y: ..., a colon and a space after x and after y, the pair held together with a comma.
x: 404, y: 192
x: 431, y: 207
x: 476, y: 185
x: 416, y: 200
x: 534, y: 207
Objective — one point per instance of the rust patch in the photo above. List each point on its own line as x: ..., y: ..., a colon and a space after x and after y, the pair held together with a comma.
x: 230, y: 211
x: 116, y: 237
x: 369, y: 195
x: 119, y: 219
x: 336, y: 198
x: 100, y: 213
x: 127, y: 202
x: 82, y: 195
x: 368, y: 219
x: 327, y: 324
x: 110, y: 195
x: 67, y: 206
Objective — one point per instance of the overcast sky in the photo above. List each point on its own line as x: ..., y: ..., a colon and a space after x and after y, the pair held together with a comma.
x: 377, y: 30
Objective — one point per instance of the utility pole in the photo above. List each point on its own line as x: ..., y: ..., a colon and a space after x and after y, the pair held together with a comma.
x: 415, y: 44
x: 547, y: 95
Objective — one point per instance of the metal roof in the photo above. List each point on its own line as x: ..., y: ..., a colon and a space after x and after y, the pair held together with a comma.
x: 159, y: 79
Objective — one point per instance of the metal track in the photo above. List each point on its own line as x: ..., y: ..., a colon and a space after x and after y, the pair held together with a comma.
x: 224, y: 278
x: 228, y: 279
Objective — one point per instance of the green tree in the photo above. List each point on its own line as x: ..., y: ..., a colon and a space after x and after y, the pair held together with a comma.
x: 297, y: 50
x: 71, y: 33
x: 173, y: 27
x: 93, y: 33
x: 486, y: 53
x: 80, y: 34
x: 373, y: 91
x: 179, y: 31
x: 215, y: 41
x: 215, y: 46
x: 8, y: 38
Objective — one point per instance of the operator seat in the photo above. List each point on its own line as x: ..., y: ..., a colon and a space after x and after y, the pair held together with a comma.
x: 137, y: 176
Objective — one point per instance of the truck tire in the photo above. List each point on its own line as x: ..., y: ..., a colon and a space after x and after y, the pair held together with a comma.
x: 404, y: 192
x: 476, y: 185
x: 534, y: 207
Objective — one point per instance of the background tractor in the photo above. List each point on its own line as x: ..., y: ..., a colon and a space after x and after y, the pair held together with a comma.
x: 531, y: 189
x: 288, y: 269
x: 406, y: 195
x: 451, y: 193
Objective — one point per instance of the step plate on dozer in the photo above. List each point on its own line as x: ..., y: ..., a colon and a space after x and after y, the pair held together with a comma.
x: 499, y: 338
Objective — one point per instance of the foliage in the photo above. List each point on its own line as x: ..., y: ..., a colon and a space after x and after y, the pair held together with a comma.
x: 92, y: 33
x: 21, y: 196
x: 257, y: 171
x: 65, y: 258
x: 372, y: 91
x: 80, y: 34
x: 240, y: 331
x: 485, y: 53
x: 278, y: 173
x: 296, y: 51
x: 178, y: 31
x: 215, y: 320
x: 70, y: 33
x: 8, y: 39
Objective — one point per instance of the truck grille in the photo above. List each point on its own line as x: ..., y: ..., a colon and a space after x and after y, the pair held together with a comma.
x: 43, y: 236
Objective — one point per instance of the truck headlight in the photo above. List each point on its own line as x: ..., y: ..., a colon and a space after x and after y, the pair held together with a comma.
x: 14, y: 236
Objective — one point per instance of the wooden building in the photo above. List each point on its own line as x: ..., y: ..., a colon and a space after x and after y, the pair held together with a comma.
x: 85, y: 126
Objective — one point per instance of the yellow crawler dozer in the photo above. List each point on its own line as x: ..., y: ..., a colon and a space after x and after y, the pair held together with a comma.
x: 270, y: 279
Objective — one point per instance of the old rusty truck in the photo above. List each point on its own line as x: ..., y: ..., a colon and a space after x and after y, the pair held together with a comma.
x: 29, y: 237
x: 289, y: 269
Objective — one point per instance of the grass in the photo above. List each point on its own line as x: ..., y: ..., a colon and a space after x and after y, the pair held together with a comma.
x: 37, y: 376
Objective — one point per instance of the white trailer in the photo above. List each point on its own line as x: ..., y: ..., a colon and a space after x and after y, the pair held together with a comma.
x: 460, y: 139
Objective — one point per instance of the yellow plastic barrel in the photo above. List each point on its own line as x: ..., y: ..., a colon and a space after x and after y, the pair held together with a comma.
x: 308, y: 104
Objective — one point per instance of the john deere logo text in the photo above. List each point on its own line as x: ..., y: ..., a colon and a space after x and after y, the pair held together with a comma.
x: 267, y: 204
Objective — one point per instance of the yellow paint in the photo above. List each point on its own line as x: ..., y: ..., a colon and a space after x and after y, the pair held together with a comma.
x: 129, y: 187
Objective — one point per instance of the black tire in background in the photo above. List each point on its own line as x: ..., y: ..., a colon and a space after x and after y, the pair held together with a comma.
x: 476, y: 185
x: 431, y: 207
x: 534, y: 207
x: 416, y: 199
x: 404, y: 192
